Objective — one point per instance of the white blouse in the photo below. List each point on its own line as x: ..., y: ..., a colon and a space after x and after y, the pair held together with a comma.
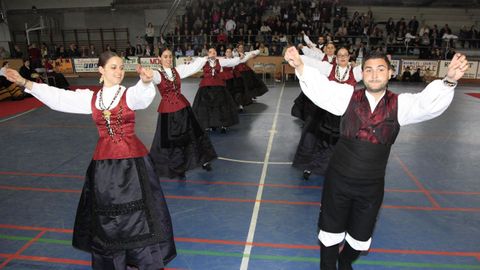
x: 139, y: 96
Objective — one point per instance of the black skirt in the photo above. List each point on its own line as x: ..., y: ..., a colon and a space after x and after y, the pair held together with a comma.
x: 122, y: 209
x: 319, y: 135
x: 180, y: 144
x: 236, y: 90
x: 214, y: 107
x: 252, y: 84
x: 303, y: 107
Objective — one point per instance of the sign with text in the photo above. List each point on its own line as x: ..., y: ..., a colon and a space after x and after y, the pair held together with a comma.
x: 425, y: 66
x: 85, y: 64
x: 471, y: 72
x: 150, y: 62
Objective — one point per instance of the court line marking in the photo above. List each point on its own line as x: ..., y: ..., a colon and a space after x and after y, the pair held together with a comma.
x: 417, y: 182
x: 22, y: 249
x: 17, y: 115
x: 256, y: 208
x: 256, y: 162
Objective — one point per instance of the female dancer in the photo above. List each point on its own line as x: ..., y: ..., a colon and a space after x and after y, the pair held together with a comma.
x: 238, y: 94
x: 213, y: 104
x: 246, y: 81
x: 321, y: 130
x: 122, y: 217
x: 180, y: 143
x: 302, y: 106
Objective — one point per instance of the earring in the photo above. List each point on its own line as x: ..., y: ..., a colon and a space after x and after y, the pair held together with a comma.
x: 101, y: 80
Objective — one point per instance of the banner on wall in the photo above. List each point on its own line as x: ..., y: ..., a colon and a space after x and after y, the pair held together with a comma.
x: 150, y: 62
x: 425, y: 66
x: 396, y: 67
x: 130, y: 64
x: 85, y: 64
x: 63, y: 65
x: 471, y: 72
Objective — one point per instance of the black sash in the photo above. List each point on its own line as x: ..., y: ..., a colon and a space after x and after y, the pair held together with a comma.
x: 360, y: 159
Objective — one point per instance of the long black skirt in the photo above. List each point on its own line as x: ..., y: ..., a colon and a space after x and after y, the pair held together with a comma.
x: 214, y: 107
x: 303, y: 107
x: 122, y: 210
x: 180, y: 144
x: 252, y: 84
x: 319, y: 136
x: 236, y: 90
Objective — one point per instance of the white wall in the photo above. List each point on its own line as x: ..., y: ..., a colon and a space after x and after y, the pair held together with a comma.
x: 47, y: 4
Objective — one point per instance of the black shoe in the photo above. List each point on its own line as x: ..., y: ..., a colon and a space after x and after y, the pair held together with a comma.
x: 207, y: 167
x: 306, y: 174
x: 223, y: 130
x: 182, y: 177
x: 213, y: 128
x: 241, y: 109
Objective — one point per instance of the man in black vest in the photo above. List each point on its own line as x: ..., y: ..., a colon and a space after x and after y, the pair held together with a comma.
x: 371, y: 119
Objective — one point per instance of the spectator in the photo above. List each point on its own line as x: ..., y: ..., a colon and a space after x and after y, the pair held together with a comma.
x: 189, y: 52
x: 149, y: 34
x: 263, y: 50
x: 407, y: 75
x: 413, y: 25
x: 16, y: 53
x: 3, y: 53
x: 92, y: 52
x: 417, y: 77
x: 178, y: 52
x: 35, y: 56
x: 230, y: 25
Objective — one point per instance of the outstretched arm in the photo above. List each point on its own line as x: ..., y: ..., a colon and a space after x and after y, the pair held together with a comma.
x: 141, y: 95
x: 329, y: 95
x: 188, y: 70
x: 435, y: 98
x: 78, y: 101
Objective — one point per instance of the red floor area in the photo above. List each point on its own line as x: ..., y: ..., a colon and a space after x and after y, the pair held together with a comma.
x: 12, y: 107
x: 477, y: 95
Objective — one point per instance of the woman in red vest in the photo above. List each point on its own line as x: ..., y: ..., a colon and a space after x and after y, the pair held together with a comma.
x: 246, y: 81
x: 122, y: 217
x: 213, y: 104
x: 238, y: 94
x: 321, y: 130
x: 302, y: 106
x: 180, y: 143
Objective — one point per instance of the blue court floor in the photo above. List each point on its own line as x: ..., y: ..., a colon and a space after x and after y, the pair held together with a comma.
x: 253, y: 210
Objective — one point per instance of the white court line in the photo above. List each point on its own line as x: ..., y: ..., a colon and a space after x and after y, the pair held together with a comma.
x: 256, y: 207
x: 15, y: 116
x: 255, y: 162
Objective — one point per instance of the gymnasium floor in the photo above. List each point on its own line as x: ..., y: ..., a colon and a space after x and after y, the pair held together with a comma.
x: 253, y: 211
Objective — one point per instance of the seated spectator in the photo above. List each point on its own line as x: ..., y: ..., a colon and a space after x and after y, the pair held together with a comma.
x: 178, y: 52
x: 28, y: 73
x: 16, y: 53
x: 416, y: 77
x: 263, y: 50
x: 3, y: 53
x: 407, y: 75
x: 7, y: 88
x: 59, y: 80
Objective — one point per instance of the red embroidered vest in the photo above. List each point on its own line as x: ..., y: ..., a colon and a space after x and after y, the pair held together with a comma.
x: 172, y: 98
x: 211, y: 75
x: 123, y: 143
x: 227, y: 73
x: 379, y: 127
x: 238, y: 69
x: 351, y: 78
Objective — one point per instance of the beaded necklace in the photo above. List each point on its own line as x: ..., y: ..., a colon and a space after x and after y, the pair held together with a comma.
x: 337, y: 73
x: 106, y: 110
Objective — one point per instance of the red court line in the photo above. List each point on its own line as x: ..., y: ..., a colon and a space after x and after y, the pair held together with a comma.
x: 202, y: 198
x: 260, y: 244
x: 22, y: 249
x: 49, y: 259
x: 205, y: 182
x: 417, y: 182
x: 42, y: 174
x: 41, y: 189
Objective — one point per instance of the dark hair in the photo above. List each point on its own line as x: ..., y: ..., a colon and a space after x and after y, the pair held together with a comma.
x: 4, y: 63
x: 104, y: 57
x: 163, y: 50
x: 377, y: 55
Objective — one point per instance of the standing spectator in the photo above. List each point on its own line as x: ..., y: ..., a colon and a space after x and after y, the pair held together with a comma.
x: 16, y: 53
x: 35, y: 56
x: 149, y: 34
x: 3, y: 53
x: 230, y: 25
x: 413, y: 25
